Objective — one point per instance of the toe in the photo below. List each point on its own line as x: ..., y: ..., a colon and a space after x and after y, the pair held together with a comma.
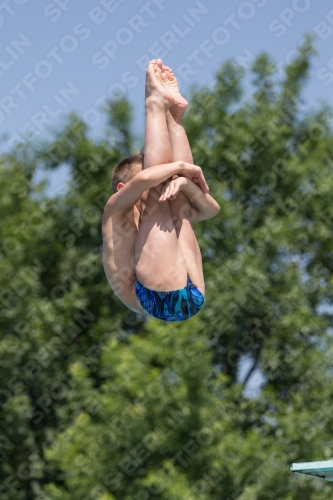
x: 151, y: 64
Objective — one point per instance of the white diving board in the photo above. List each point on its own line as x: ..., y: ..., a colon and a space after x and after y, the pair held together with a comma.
x: 323, y: 470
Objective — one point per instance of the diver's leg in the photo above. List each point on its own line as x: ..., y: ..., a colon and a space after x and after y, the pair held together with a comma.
x: 180, y: 207
x: 159, y: 262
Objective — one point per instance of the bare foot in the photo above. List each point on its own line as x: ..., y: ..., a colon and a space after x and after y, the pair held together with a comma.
x: 169, y: 81
x: 155, y: 89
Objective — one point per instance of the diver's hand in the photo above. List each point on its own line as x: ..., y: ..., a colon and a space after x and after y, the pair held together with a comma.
x: 194, y: 173
x: 172, y: 188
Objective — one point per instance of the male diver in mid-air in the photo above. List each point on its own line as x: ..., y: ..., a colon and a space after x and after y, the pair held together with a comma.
x: 151, y: 256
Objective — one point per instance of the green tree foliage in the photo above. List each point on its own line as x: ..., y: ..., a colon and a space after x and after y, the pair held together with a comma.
x: 98, y: 404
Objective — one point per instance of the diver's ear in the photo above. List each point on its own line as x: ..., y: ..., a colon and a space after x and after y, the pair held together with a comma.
x: 120, y: 185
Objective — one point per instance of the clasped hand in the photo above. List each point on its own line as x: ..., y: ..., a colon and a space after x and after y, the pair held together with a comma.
x: 172, y: 188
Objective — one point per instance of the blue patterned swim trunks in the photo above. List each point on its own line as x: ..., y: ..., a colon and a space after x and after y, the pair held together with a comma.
x: 177, y: 305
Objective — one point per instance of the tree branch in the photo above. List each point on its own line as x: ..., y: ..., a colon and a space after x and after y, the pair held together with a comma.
x: 251, y: 370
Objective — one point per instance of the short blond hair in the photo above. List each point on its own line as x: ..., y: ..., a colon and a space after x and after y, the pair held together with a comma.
x: 124, y: 170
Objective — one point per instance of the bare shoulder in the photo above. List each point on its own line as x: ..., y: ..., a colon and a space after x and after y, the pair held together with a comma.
x: 109, y: 209
x: 119, y: 235
x: 111, y: 201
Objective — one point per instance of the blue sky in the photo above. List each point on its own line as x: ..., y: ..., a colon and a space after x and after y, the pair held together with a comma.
x: 66, y: 55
